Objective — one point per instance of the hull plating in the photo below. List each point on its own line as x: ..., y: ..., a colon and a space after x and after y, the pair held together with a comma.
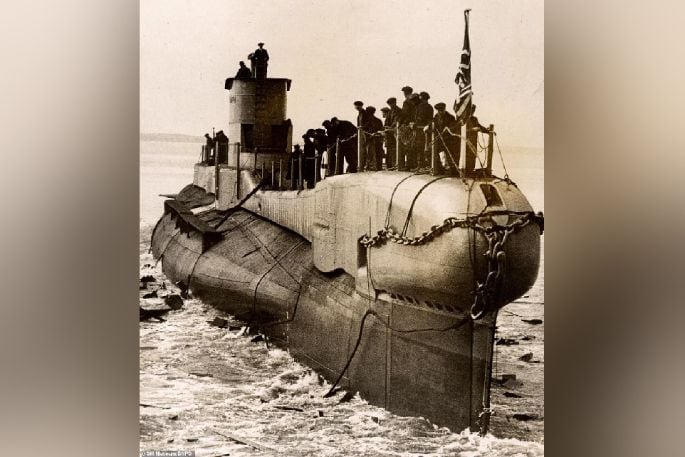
x: 411, y: 358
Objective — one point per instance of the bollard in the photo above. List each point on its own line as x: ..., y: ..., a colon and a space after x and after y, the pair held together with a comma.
x: 432, y: 140
x: 491, y: 148
x: 280, y: 174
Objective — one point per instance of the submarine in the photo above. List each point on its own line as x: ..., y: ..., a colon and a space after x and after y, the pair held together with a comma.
x: 387, y: 283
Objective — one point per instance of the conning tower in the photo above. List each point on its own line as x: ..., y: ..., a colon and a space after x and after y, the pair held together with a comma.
x: 258, y: 114
x: 259, y: 136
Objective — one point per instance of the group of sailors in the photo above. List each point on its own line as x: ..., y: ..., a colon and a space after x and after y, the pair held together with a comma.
x: 420, y: 126
x: 259, y: 61
x: 218, y: 145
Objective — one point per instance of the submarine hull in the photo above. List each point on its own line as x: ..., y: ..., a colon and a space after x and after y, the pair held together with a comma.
x: 398, y: 353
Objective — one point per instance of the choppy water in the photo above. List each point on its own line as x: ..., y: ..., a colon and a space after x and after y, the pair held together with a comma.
x: 216, y: 392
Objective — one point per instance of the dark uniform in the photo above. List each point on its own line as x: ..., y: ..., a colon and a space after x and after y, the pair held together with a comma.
x: 346, y: 131
x: 331, y: 137
x: 260, y: 61
x: 294, y: 165
x: 320, y: 144
x: 221, y: 141
x: 361, y: 115
x: 209, y: 150
x: 309, y: 153
x: 472, y: 129
x: 363, y: 122
x: 374, y: 144
x: 424, y: 116
x: 393, y: 119
x: 446, y: 145
x: 407, y: 135
x: 408, y: 109
x: 243, y: 72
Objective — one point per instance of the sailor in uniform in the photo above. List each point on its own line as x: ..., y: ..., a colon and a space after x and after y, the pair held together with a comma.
x: 260, y: 61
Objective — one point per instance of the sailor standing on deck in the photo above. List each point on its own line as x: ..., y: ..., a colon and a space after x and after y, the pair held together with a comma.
x: 363, y: 124
x: 374, y: 145
x: 331, y: 136
x: 209, y: 150
x: 424, y: 116
x: 446, y: 144
x: 386, y: 136
x: 260, y: 61
x: 408, y: 108
x: 406, y: 133
x: 221, y: 146
x: 308, y: 155
x: 391, y: 122
x: 414, y: 135
x: 472, y: 129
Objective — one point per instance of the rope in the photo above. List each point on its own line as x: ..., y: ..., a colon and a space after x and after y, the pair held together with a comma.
x: 449, y: 153
x: 506, y: 174
x: 485, y: 403
x: 392, y: 196
x: 411, y: 207
x: 373, y: 313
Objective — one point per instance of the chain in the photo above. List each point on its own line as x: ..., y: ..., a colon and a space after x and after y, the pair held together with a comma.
x: 486, y: 291
x: 496, y: 236
x: 472, y: 222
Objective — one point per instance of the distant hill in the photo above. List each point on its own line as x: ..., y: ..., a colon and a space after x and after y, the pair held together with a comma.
x: 171, y: 137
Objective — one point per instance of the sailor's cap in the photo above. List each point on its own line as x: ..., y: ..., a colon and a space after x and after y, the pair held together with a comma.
x: 371, y: 109
x: 385, y: 109
x: 260, y: 44
x: 440, y: 105
x: 407, y: 89
x: 424, y: 95
x: 391, y: 100
x: 358, y: 103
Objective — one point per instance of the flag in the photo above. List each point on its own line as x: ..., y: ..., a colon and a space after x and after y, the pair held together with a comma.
x: 462, y: 105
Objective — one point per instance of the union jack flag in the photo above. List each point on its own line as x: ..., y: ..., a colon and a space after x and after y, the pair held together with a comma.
x: 462, y: 105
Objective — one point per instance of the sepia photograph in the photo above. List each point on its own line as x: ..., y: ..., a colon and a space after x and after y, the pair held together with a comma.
x: 342, y: 228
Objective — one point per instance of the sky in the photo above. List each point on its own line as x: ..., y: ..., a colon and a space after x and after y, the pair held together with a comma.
x: 339, y: 51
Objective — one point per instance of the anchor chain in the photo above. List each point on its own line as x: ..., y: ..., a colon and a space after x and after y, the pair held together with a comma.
x: 389, y: 234
x: 495, y: 234
x: 486, y: 291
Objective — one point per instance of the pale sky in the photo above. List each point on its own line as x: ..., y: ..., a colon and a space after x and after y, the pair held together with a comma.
x: 338, y: 51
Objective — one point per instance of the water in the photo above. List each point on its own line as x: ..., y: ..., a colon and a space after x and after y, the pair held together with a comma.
x: 214, y: 391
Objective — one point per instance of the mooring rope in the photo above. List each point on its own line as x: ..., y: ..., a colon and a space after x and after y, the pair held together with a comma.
x: 370, y: 312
